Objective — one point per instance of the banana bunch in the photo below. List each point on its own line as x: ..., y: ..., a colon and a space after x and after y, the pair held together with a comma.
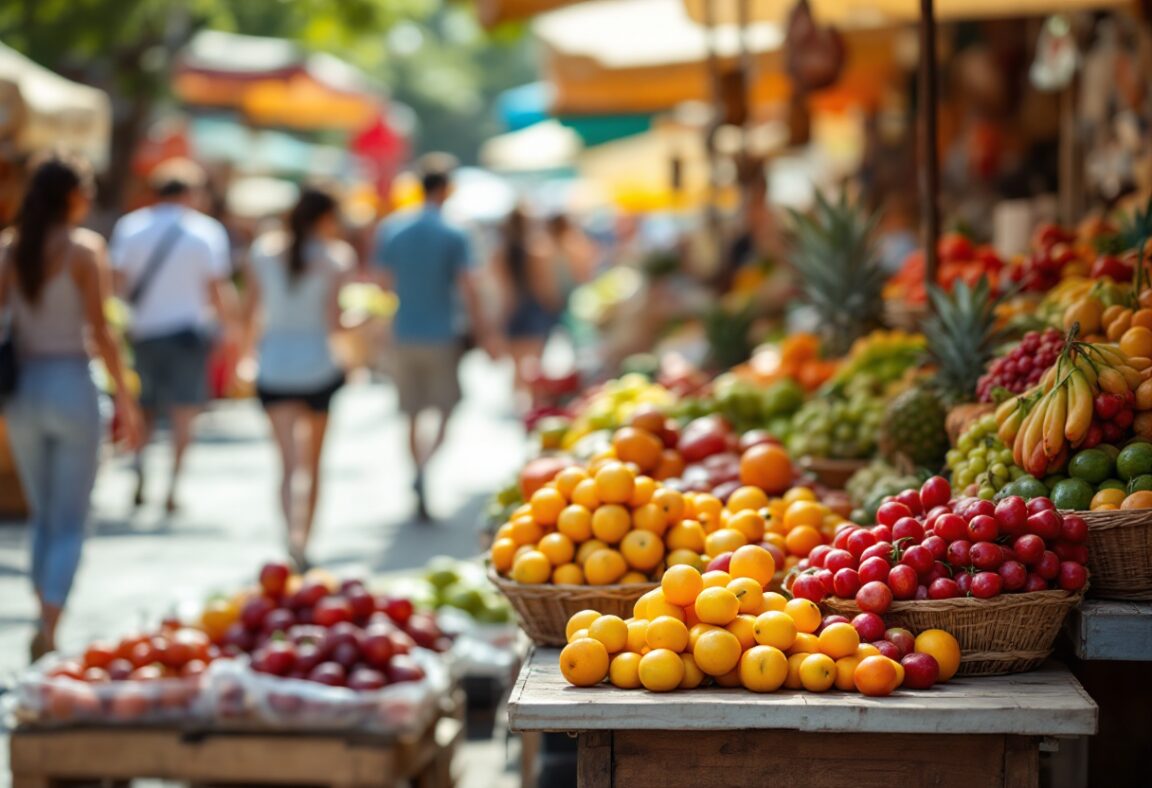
x: 1043, y: 424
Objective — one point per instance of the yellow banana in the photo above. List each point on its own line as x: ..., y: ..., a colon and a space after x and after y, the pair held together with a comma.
x: 1031, y: 433
x: 1112, y: 381
x: 1048, y: 378
x: 1141, y: 363
x: 1087, y: 368
x: 1131, y: 376
x: 1054, y: 417
x: 1080, y: 408
x: 1010, y: 427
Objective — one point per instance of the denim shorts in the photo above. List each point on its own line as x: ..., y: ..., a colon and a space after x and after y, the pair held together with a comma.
x: 173, y: 369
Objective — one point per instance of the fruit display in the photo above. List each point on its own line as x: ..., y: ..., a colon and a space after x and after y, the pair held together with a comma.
x: 748, y: 406
x: 463, y: 586
x: 611, y: 405
x: 960, y: 262
x: 797, y: 357
x: 982, y: 465
x: 844, y: 425
x: 1021, y: 368
x: 876, y: 481
x: 882, y: 357
x: 723, y: 628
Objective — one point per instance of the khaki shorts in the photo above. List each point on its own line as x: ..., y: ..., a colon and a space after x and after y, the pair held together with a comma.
x: 426, y: 377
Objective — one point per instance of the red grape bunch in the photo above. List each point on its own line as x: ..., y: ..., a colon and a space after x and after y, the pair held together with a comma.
x: 1021, y: 368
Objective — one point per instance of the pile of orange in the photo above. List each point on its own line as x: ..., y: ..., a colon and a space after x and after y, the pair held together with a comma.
x: 1111, y: 500
x: 725, y: 628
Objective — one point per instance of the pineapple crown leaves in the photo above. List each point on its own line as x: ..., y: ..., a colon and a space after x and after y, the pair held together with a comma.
x: 962, y: 337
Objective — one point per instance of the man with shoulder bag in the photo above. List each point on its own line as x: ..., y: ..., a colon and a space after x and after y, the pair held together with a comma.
x: 173, y: 267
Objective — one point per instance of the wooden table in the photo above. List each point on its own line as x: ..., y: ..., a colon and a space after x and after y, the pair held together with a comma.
x: 966, y: 733
x: 1111, y: 630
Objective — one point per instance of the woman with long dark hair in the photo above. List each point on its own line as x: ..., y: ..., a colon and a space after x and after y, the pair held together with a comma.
x: 54, y: 278
x: 294, y: 307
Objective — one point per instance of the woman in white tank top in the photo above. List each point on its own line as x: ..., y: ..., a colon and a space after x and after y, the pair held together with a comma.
x: 53, y: 276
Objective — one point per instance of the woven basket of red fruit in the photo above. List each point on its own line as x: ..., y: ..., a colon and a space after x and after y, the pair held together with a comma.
x: 833, y: 474
x: 544, y: 609
x: 1120, y: 553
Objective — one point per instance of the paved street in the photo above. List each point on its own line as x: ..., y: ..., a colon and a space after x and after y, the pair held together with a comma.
x: 140, y: 565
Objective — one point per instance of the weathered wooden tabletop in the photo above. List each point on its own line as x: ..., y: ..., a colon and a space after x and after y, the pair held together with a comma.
x: 1044, y: 702
x: 1111, y: 630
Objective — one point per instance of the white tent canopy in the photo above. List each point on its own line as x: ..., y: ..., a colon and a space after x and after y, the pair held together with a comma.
x: 547, y: 145
x: 40, y: 109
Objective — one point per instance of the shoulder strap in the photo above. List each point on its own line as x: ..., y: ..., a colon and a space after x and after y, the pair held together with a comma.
x: 160, y: 253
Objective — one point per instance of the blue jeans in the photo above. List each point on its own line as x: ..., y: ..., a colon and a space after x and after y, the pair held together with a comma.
x: 54, y: 427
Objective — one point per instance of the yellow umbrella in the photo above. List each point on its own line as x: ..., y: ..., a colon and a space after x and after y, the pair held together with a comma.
x: 302, y: 102
x: 848, y: 11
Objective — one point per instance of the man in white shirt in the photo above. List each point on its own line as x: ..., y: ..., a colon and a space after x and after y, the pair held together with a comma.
x: 173, y: 265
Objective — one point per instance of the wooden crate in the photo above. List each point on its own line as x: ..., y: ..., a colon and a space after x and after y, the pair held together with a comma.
x: 42, y: 758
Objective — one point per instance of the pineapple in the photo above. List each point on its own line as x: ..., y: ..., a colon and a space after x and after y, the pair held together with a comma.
x: 842, y: 278
x: 961, y: 335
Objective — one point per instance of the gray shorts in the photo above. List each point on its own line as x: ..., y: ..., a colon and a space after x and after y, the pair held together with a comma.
x: 426, y: 376
x: 173, y: 370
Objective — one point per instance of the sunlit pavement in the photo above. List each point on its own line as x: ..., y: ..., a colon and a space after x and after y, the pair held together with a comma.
x: 140, y: 565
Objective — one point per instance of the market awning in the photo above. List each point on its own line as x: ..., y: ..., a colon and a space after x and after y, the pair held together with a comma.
x: 546, y: 146
x: 847, y: 11
x: 40, y: 109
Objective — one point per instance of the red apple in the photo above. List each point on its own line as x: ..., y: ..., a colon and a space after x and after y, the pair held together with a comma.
x: 829, y: 620
x: 943, y: 588
x: 279, y: 620
x: 309, y: 594
x: 874, y: 597
x: 908, y: 531
x: 888, y: 649
x: 902, y: 580
x: 935, y: 492
x: 891, y: 511
x: 331, y: 611
x: 919, y: 558
x: 911, y: 499
x: 377, y: 647
x: 1013, y: 575
x: 846, y: 583
x: 951, y: 527
x: 1035, y: 583
x: 1012, y: 515
x: 818, y: 554
x: 904, y: 640
x: 366, y: 680
x: 862, y: 539
x: 920, y: 670
x: 1073, y: 529
x: 1045, y: 523
x: 879, y: 550
x: 720, y: 563
x: 404, y: 668
x: 808, y: 586
x: 986, y: 585
x: 397, y: 608
x: 330, y: 673
x: 254, y: 611
x: 1073, y: 576
x: 986, y: 555
x: 838, y: 559
x: 983, y: 528
x: 1048, y: 567
x: 869, y: 627
x: 959, y: 553
x: 274, y: 578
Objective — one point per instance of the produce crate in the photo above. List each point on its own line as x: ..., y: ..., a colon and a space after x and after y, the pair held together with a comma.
x: 41, y: 758
x: 1120, y: 553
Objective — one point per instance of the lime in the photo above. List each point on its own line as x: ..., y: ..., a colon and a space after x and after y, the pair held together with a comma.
x: 1073, y: 494
x: 1111, y: 484
x: 1135, y: 460
x: 1029, y: 487
x: 1052, y: 480
x: 1091, y: 465
x: 1112, y: 451
x: 1141, y: 482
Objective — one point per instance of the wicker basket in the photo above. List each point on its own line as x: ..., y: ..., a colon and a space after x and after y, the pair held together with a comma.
x: 544, y: 610
x: 833, y: 474
x: 1011, y: 633
x: 1120, y: 553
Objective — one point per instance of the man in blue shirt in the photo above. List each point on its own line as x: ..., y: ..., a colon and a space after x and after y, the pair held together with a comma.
x: 428, y: 263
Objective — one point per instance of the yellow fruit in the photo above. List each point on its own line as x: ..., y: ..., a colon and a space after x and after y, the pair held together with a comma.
x: 845, y: 673
x: 774, y: 601
x: 604, y: 567
x: 611, y: 631
x: 659, y: 606
x: 743, y: 627
x: 575, y: 522
x: 610, y: 522
x: 585, y: 494
x: 578, y: 634
x: 624, y: 670
x: 640, y: 607
x: 749, y: 523
x: 637, y: 634
x: 838, y: 640
x: 667, y: 632
x: 749, y: 593
x: 763, y: 669
x: 716, y: 579
x: 526, y: 531
x: 681, y: 585
x: 642, y: 491
x: 634, y: 578
x: 730, y: 680
x: 805, y: 643
x: 567, y: 480
x: 650, y: 517
x: 706, y: 510
x: 794, y: 681
x: 503, y: 532
x: 615, y: 483
x: 717, y: 606
x: 661, y: 670
x: 776, y: 629
x: 807, y: 513
x: 503, y: 554
x: 584, y: 662
x: 693, y: 676
x: 696, y: 630
x: 818, y: 672
x: 866, y: 650
x: 685, y: 557
x: 568, y: 575
x: 642, y: 550
x: 1107, y: 497
x: 581, y: 620
x: 1137, y: 341
x: 943, y: 647
x: 671, y: 502
x: 547, y: 503
x: 558, y: 548
x: 798, y: 494
x: 532, y: 568
x: 747, y: 498
x: 685, y: 535
x: 724, y: 540
x: 804, y: 612
x: 717, y: 652
x: 587, y: 549
x: 800, y: 540
x: 754, y: 562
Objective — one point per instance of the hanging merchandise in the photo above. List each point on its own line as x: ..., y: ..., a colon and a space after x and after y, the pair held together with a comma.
x: 1056, y: 56
x: 815, y: 55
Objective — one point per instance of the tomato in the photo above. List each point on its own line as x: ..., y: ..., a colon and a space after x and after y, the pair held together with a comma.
x: 128, y: 645
x: 70, y: 669
x: 218, y: 615
x: 99, y: 655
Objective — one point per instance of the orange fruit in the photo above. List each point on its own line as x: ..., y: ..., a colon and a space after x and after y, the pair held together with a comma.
x: 730, y: 680
x: 866, y: 650
x: 667, y: 632
x: 567, y: 480
x: 642, y: 491
x: 845, y: 673
x: 724, y: 540
x: 671, y: 465
x: 615, y: 483
x: 547, y: 503
x: 875, y: 676
x: 610, y: 522
x: 671, y: 502
x: 604, y: 567
x: 575, y: 522
x: 503, y: 532
x: 716, y: 579
x: 695, y: 631
x: 717, y: 606
x: 611, y: 631
x: 532, y: 568
x: 805, y: 642
x: 686, y: 557
x: 503, y: 553
x: 624, y: 670
x: 634, y: 578
x: 584, y: 662
x: 775, y: 601
x: 637, y: 634
x: 804, y: 512
x: 659, y: 606
x: 661, y: 670
x: 525, y: 530
x: 649, y: 517
x: 638, y: 446
x: 838, y: 640
x: 693, y: 676
x: 750, y: 594
x: 798, y: 494
x: 1142, y: 318
x: 754, y: 562
x: 568, y: 575
x: 706, y: 510
x: 768, y: 467
x: 743, y: 627
x: 642, y: 550
x: 558, y: 548
x: 818, y: 672
x: 793, y: 680
x: 775, y: 629
x: 805, y: 613
x: 1108, y: 497
x: 587, y: 549
x: 943, y: 647
x: 750, y: 523
x: 717, y: 652
x: 1136, y: 341
x: 747, y: 498
x: 681, y: 585
x: 649, y: 418
x: 763, y: 669
x: 1141, y: 499
x: 581, y: 620
x: 685, y: 535
x: 801, y: 539
x: 586, y: 494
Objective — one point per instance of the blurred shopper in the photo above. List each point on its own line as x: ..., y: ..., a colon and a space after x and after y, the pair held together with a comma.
x: 293, y: 305
x: 571, y: 255
x: 531, y: 296
x: 174, y: 265
x: 54, y: 278
x: 428, y: 263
